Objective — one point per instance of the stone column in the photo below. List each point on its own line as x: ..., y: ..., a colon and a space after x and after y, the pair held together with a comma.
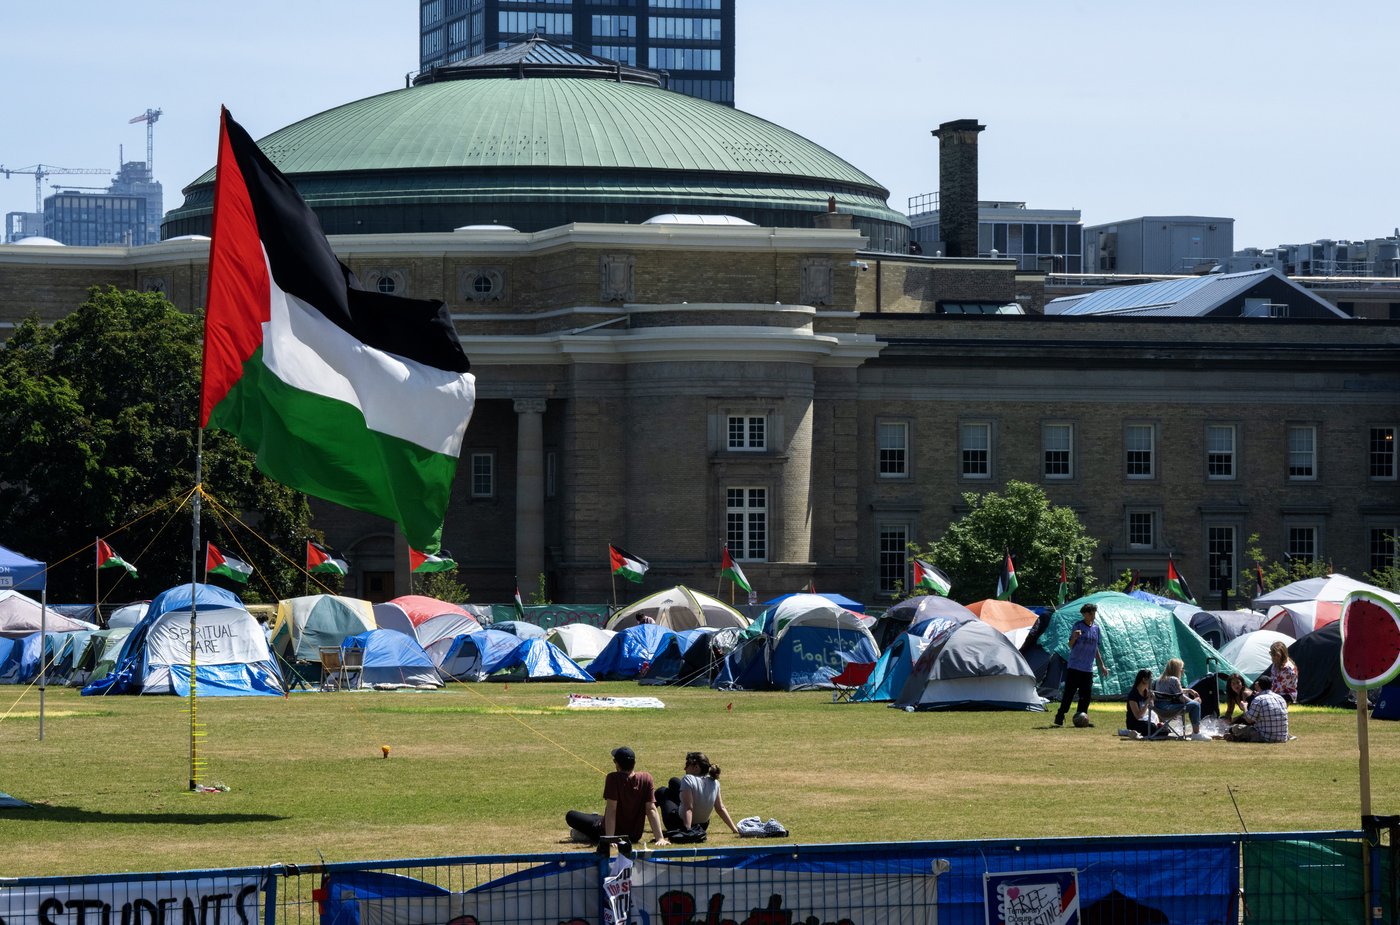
x: 529, y: 489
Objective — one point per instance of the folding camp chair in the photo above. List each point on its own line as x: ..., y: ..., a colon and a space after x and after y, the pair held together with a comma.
x: 1169, y: 711
x: 845, y: 684
x: 341, y: 668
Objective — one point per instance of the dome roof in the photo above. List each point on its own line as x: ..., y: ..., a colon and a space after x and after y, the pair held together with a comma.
x: 541, y: 149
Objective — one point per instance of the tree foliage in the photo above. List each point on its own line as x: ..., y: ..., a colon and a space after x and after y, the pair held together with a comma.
x: 445, y: 586
x: 1276, y: 574
x: 1388, y: 576
x: 1021, y: 519
x: 97, y: 417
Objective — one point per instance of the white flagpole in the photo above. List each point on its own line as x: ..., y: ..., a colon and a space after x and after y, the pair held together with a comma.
x: 194, y: 609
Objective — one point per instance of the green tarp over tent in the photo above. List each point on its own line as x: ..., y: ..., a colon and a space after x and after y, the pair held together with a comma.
x: 1135, y: 634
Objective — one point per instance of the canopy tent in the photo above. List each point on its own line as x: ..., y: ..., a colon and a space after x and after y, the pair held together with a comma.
x: 1013, y: 620
x: 628, y: 653
x: 22, y: 616
x: 1318, y: 656
x: 304, y: 625
x: 232, y: 657
x: 580, y: 641
x: 1297, y: 620
x: 127, y: 615
x: 686, y: 658
x: 21, y: 573
x: 840, y: 600
x: 679, y: 608
x: 1135, y: 634
x: 1218, y: 627
x: 804, y: 642
x: 970, y: 666
x: 1249, y: 653
x: 902, y: 616
x: 393, y: 660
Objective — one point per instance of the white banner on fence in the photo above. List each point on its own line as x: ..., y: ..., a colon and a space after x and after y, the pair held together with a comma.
x: 135, y: 902
x: 678, y: 892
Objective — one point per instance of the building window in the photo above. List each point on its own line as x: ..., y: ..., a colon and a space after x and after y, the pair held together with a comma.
x: 748, y: 432
x: 1302, y: 543
x: 1220, y: 557
x: 1383, y: 453
x: 1220, y: 451
x: 1057, y: 450
x: 1142, y: 529
x: 551, y: 474
x: 1302, y: 453
x: 1139, y: 442
x: 894, y: 450
x: 1382, y: 543
x: 894, y: 544
x: 975, y: 441
x: 483, y: 475
x: 386, y: 284
x: 746, y: 528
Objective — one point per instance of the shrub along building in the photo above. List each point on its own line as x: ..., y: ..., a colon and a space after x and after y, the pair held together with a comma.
x: 786, y: 380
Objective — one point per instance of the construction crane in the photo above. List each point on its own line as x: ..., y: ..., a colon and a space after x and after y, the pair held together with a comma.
x: 149, y: 117
x: 40, y: 171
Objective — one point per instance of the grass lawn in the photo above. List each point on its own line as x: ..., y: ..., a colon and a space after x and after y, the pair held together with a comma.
x: 487, y: 768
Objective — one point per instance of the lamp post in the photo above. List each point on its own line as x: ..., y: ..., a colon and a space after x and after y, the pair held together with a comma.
x: 1224, y: 582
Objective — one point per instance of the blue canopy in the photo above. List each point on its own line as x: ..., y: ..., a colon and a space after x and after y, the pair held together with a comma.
x: 839, y: 600
x: 21, y: 573
x: 627, y: 652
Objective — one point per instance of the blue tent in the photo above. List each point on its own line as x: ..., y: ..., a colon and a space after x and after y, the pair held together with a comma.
x: 232, y: 657
x: 21, y: 573
x: 473, y: 656
x: 1387, y: 702
x: 840, y: 600
x: 393, y: 660
x: 626, y: 653
x: 540, y: 660
x: 814, y: 641
x: 19, y: 659
x: 895, y: 666
x: 680, y: 661
x: 521, y: 628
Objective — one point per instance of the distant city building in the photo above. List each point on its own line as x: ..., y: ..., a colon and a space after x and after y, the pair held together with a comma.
x: 690, y: 41
x: 1265, y: 293
x: 1378, y: 257
x: 1037, y: 239
x: 75, y: 217
x: 20, y: 225
x: 135, y: 179
x: 1159, y: 245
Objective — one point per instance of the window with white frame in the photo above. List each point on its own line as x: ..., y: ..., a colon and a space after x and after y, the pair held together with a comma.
x: 1139, y: 445
x: 1220, y: 451
x: 483, y: 469
x: 1142, y: 529
x: 975, y: 442
x: 1302, y: 543
x: 893, y: 449
x: 1057, y: 450
x: 747, y: 432
x: 1220, y: 557
x: 893, y: 564
x: 1382, y: 545
x: 746, y: 526
x: 1302, y: 452
x: 1383, y: 452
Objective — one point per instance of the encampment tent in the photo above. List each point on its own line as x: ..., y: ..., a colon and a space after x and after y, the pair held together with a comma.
x: 804, y: 642
x: 473, y: 656
x: 1012, y: 619
x: 629, y: 652
x: 1250, y: 653
x: 1388, y: 702
x: 408, y: 611
x: 304, y: 625
x: 970, y: 665
x: 20, y: 616
x: 524, y: 629
x: 686, y: 658
x: 1218, y: 627
x: 1318, y: 656
x: 19, y: 659
x: 96, y: 657
x: 1317, y: 600
x: 393, y: 660
x: 895, y: 666
x: 904, y: 615
x: 540, y: 660
x: 1135, y: 634
x: 232, y: 657
x: 127, y: 615
x: 580, y: 641
x: 1297, y: 620
x: 679, y: 608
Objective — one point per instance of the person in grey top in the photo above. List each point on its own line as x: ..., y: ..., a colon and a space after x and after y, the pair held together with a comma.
x: 688, y: 802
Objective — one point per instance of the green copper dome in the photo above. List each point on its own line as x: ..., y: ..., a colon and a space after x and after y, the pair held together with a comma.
x: 537, y: 151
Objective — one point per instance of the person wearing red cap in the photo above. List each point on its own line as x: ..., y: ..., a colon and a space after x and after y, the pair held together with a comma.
x: 629, y: 798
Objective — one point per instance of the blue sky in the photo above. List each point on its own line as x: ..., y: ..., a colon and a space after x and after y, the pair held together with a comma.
x: 1281, y: 115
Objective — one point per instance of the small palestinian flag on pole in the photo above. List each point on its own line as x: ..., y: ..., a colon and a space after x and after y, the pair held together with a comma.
x: 1258, y: 580
x: 1006, y: 581
x: 519, y: 604
x: 106, y: 558
x: 216, y: 563
x: 1063, y: 593
x: 320, y: 560
x: 730, y: 569
x: 930, y: 579
x: 1176, y: 585
x: 627, y: 565
x: 422, y: 562
x: 1133, y: 582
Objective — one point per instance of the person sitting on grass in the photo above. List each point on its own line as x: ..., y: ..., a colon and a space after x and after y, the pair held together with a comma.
x: 1170, y: 690
x: 1282, y: 672
x: 688, y: 802
x: 1237, y: 694
x: 629, y: 796
x: 1266, y: 718
x: 1140, y: 706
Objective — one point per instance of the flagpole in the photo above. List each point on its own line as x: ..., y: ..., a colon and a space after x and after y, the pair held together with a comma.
x: 194, y: 608
x: 96, y: 583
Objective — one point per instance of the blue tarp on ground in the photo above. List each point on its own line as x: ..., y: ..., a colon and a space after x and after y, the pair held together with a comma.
x: 391, y: 658
x: 628, y: 651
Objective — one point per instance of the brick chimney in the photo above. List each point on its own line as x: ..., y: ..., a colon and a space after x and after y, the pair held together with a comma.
x: 957, y: 186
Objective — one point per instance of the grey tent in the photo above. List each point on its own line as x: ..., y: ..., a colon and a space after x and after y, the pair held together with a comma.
x: 970, y: 666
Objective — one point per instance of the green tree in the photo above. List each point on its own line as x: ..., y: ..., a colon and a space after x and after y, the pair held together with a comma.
x: 442, y: 585
x: 1388, y: 576
x: 1276, y: 574
x: 541, y: 594
x: 1022, y: 519
x: 97, y: 417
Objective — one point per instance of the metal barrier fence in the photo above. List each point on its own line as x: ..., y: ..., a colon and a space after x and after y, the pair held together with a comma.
x: 1276, y: 878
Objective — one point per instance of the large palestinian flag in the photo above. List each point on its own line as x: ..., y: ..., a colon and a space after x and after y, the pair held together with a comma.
x: 355, y: 397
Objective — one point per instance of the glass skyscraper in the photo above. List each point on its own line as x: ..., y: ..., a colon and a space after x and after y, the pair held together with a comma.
x: 690, y: 41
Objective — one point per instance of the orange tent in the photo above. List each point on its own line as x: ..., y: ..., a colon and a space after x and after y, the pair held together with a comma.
x: 1013, y: 620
